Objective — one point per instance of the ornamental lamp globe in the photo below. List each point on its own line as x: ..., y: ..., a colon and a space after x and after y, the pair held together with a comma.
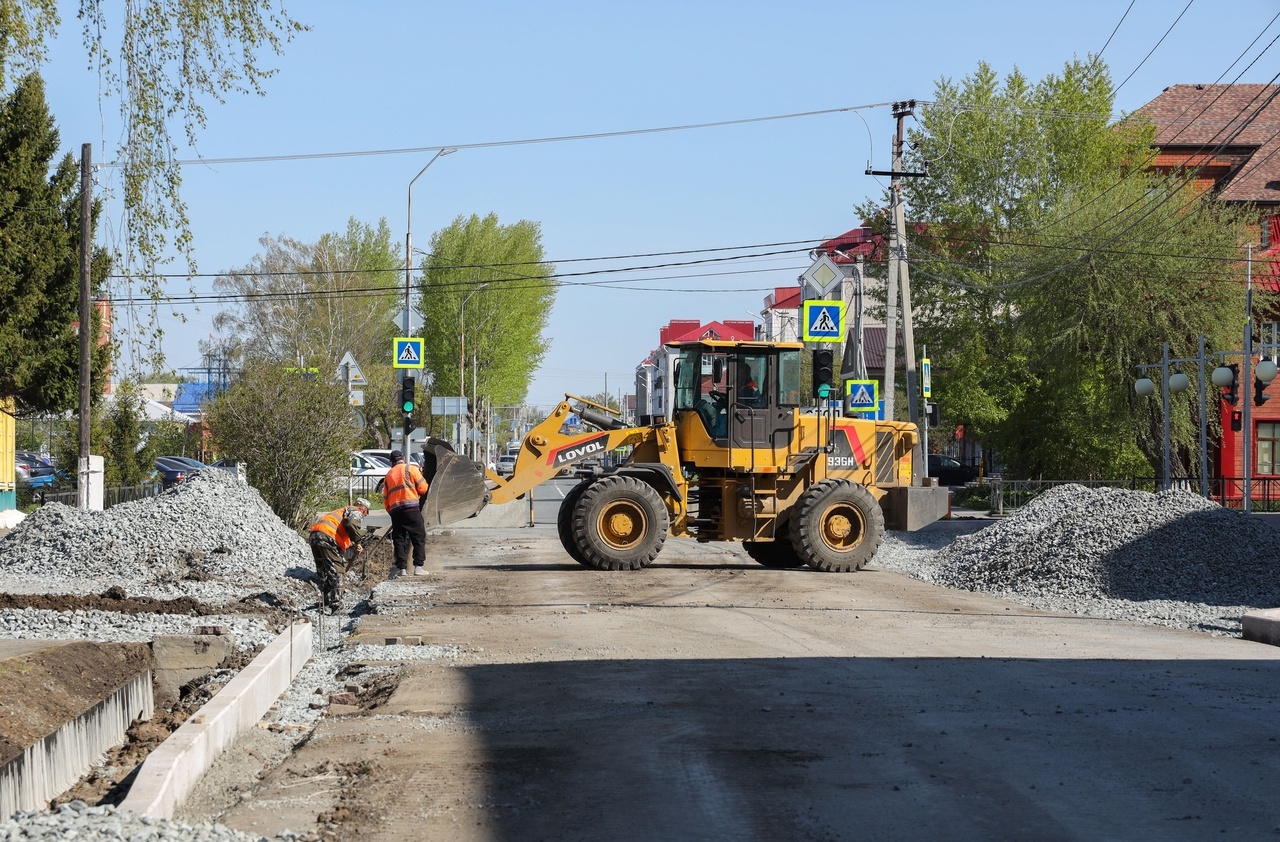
x: 1222, y: 376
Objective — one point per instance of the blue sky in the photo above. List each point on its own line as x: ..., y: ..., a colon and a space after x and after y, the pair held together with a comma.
x: 398, y: 75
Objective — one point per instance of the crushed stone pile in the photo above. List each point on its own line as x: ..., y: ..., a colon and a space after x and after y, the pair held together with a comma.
x: 77, y: 820
x: 211, y: 536
x: 1087, y: 543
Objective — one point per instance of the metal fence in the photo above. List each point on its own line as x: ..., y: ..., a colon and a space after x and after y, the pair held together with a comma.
x: 1008, y: 495
x: 110, y: 496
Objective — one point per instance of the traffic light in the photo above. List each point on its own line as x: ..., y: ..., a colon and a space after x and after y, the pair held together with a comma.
x: 1237, y: 420
x: 934, y: 416
x: 1233, y: 391
x: 406, y: 395
x: 1259, y: 392
x: 823, y: 371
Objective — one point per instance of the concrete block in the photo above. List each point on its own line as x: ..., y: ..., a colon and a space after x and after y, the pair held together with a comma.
x: 412, y: 640
x: 190, y: 651
x: 393, y: 641
x: 1262, y: 626
x: 170, y: 772
x: 345, y: 710
x: 181, y: 658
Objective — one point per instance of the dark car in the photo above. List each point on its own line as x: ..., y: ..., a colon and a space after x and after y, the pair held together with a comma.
x: 950, y: 471
x: 31, y: 459
x: 174, y: 469
x: 37, y: 476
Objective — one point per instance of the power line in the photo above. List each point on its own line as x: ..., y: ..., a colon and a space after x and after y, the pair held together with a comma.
x: 1117, y: 29
x: 1156, y: 47
x: 257, y: 159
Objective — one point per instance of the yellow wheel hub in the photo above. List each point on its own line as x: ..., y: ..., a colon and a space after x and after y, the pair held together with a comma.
x: 842, y: 527
x: 622, y: 524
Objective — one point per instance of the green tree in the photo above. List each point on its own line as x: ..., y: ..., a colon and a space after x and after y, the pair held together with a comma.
x: 293, y: 432
x: 173, y: 57
x: 1050, y: 262
x: 119, y: 432
x: 498, y: 272
x: 308, y: 304
x: 39, y: 260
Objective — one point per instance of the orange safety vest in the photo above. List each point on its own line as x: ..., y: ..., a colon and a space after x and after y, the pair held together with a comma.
x: 331, y: 524
x: 402, y: 487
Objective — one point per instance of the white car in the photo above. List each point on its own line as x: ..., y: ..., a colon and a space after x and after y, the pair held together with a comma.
x: 506, y: 465
x: 365, y: 465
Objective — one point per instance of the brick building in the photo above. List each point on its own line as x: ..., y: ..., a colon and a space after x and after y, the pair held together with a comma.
x: 1225, y: 138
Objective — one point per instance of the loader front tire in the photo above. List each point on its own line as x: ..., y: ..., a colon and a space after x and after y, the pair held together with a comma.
x: 619, y: 524
x: 837, y: 526
x: 564, y: 522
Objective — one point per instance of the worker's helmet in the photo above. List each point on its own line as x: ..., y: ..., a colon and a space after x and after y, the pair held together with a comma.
x: 363, y: 504
x: 353, y: 516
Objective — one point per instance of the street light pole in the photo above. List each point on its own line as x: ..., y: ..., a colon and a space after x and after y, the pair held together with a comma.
x: 462, y: 357
x: 408, y: 237
x: 408, y: 266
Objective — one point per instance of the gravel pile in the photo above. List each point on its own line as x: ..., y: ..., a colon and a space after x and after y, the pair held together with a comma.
x: 211, y: 537
x: 1171, y: 558
x: 77, y: 820
x: 112, y: 627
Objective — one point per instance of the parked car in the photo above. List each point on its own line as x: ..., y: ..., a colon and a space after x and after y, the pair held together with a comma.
x: 506, y: 465
x: 950, y: 471
x: 37, y: 476
x: 31, y: 459
x: 385, y: 456
x: 175, y: 469
x: 372, y: 466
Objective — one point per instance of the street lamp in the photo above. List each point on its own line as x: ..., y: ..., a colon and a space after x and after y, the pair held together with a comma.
x: 408, y: 265
x: 1172, y: 384
x: 462, y: 352
x: 1224, y: 376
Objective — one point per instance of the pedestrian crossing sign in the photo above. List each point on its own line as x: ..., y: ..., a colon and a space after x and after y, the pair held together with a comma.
x: 862, y: 395
x: 823, y: 321
x: 408, y: 353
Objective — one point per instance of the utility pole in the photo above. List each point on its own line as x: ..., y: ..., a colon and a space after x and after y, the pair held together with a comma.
x: 899, y: 276
x: 86, y: 318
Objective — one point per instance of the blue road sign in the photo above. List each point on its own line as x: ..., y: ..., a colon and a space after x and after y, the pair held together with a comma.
x: 823, y: 321
x: 408, y: 353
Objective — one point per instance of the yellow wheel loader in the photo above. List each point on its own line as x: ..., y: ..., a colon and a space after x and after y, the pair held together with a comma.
x: 740, y: 459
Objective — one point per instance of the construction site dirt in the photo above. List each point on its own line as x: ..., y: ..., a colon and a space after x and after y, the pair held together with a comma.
x: 708, y: 697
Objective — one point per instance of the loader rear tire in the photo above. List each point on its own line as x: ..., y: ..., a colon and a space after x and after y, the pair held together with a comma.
x: 620, y: 524
x: 564, y: 522
x: 837, y: 526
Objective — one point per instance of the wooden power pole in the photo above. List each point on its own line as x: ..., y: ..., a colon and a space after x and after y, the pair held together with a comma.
x: 86, y: 318
x: 899, y: 281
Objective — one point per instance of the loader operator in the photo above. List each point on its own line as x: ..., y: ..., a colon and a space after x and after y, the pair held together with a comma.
x: 333, y: 544
x: 403, y: 490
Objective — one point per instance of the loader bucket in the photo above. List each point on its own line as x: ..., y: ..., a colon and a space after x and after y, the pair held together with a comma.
x: 457, y: 490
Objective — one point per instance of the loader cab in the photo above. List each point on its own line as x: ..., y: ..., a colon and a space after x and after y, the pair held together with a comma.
x: 743, y: 394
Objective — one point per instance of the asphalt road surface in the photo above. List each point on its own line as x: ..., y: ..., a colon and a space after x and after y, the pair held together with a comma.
x: 710, y: 698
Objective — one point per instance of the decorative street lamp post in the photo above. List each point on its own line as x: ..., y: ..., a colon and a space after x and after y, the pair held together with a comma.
x: 1174, y: 383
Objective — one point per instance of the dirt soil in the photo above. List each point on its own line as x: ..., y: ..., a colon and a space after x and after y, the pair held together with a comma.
x: 59, y: 683
x: 115, y: 599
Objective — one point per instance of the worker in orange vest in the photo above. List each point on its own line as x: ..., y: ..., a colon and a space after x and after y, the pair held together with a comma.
x: 404, y: 490
x: 334, y: 542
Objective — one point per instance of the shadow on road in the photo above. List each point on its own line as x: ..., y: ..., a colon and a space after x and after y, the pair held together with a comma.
x: 868, y: 748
